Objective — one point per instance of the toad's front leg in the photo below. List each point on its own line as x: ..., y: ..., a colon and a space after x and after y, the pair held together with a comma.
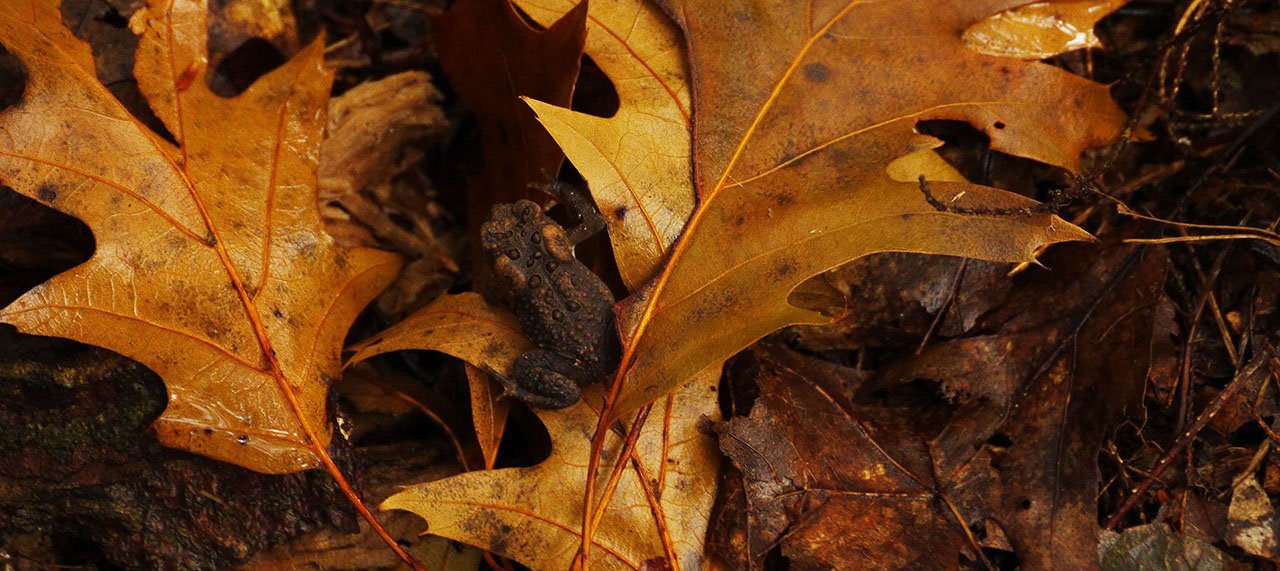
x: 543, y: 379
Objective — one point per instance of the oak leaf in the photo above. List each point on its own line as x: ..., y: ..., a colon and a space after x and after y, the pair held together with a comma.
x: 534, y: 515
x: 798, y: 112
x: 639, y: 161
x: 469, y: 328
x: 211, y: 267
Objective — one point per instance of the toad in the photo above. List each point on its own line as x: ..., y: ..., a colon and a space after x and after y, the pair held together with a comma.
x: 561, y: 305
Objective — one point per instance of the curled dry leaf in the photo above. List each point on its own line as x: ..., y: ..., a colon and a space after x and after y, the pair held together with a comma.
x: 534, y: 515
x: 1040, y: 29
x: 462, y: 325
x: 467, y: 327
x: 211, y: 267
x: 799, y: 110
x: 638, y: 162
x: 370, y: 137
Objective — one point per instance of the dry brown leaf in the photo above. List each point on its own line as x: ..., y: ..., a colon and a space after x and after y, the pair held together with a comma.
x: 492, y: 58
x: 867, y: 503
x: 370, y: 137
x: 211, y: 265
x: 638, y: 162
x: 798, y: 114
x: 534, y: 515
x: 1253, y: 524
x: 1016, y: 452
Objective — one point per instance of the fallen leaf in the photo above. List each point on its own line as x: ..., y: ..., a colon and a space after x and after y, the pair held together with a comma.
x: 1252, y: 522
x: 865, y: 504
x: 638, y: 163
x: 1040, y: 30
x: 1155, y: 546
x: 211, y: 265
x: 492, y: 58
x: 462, y: 325
x: 1036, y: 398
x: 534, y: 515
x: 467, y: 327
x: 1028, y: 408
x: 793, y: 132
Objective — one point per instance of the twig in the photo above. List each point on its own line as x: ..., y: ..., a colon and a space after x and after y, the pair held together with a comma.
x: 1202, y: 421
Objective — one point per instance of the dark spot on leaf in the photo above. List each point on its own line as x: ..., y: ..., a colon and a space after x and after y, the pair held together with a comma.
x: 999, y: 125
x: 1024, y: 504
x: 47, y: 193
x: 620, y: 212
x: 817, y: 72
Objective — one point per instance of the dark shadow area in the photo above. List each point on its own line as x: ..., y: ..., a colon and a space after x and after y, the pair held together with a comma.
x: 244, y: 65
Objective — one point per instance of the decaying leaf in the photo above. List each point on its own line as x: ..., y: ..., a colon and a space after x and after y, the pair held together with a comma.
x: 799, y: 110
x: 534, y: 515
x: 639, y: 161
x: 1017, y: 452
x: 1253, y: 524
x: 211, y: 266
x: 1155, y: 546
x: 1084, y: 334
x: 865, y: 504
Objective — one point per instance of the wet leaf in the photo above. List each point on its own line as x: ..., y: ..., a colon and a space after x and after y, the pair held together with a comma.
x: 211, y: 266
x: 534, y: 515
x: 794, y: 130
x: 637, y: 162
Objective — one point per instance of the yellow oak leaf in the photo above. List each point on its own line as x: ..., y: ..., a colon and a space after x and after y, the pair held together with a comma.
x: 638, y: 163
x: 660, y: 506
x: 211, y: 266
x: 799, y: 112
